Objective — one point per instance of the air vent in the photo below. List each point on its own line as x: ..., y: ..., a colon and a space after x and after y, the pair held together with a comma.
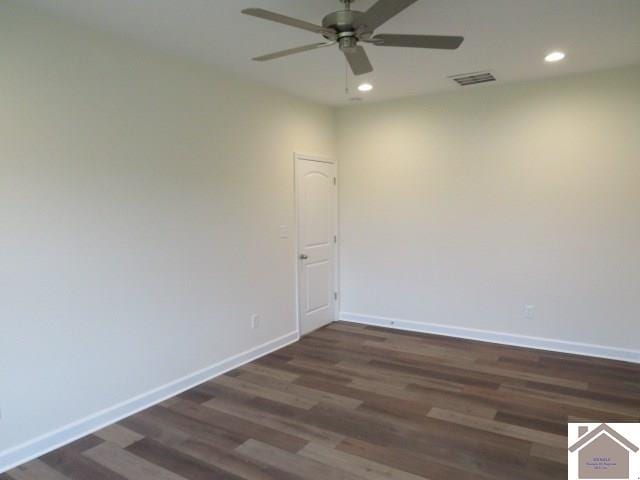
x: 466, y: 79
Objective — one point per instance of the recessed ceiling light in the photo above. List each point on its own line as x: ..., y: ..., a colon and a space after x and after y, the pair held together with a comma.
x: 554, y: 57
x: 365, y: 87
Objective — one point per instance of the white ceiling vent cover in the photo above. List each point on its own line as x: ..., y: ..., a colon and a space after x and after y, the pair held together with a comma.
x: 466, y: 79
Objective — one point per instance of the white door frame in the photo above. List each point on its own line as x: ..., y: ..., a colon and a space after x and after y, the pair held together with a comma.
x: 336, y: 251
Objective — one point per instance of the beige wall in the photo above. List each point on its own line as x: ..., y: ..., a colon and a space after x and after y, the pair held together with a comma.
x: 140, y: 204
x: 461, y: 209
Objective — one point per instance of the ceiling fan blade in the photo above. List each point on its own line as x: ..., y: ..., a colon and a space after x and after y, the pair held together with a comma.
x: 444, y: 42
x: 291, y: 51
x: 384, y: 10
x: 358, y: 60
x: 292, y: 22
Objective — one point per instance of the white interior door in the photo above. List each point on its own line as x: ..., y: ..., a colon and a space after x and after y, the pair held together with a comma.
x: 316, y: 200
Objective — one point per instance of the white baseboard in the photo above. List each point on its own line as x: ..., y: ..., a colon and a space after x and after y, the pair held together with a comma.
x: 50, y: 441
x: 612, y: 353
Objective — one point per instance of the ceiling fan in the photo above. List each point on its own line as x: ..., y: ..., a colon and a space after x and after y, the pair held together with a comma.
x: 348, y: 27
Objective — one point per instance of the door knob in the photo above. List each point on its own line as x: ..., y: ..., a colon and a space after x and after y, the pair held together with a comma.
x: 303, y: 256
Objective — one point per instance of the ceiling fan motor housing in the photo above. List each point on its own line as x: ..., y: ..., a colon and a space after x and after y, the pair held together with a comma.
x: 349, y: 25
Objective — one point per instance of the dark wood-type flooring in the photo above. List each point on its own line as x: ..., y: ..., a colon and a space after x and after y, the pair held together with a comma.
x: 354, y: 402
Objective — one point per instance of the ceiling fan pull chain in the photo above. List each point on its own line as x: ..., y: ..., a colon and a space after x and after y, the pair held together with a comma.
x: 346, y: 77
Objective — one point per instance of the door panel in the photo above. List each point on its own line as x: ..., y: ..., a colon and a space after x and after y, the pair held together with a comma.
x: 316, y: 199
x: 317, y: 216
x: 318, y: 277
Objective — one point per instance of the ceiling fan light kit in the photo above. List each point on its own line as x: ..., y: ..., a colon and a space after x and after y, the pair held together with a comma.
x: 347, y: 28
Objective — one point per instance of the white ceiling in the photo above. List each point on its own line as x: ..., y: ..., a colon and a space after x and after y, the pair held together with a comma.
x: 509, y: 37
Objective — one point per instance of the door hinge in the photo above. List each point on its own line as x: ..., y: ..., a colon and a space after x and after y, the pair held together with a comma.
x: 335, y: 181
x: 335, y: 295
x: 335, y: 239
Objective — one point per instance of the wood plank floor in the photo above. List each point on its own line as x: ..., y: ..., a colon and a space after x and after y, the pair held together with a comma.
x: 354, y: 402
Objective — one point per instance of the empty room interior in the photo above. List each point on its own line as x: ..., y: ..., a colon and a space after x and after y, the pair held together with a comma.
x: 319, y: 239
